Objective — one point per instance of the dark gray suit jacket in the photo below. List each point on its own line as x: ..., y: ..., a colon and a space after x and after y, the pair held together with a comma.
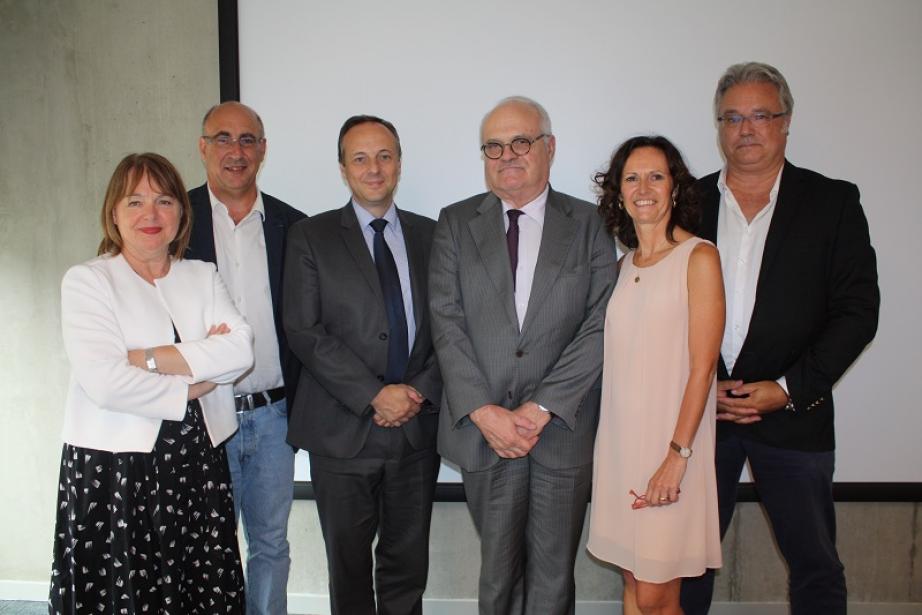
x: 555, y: 360
x: 337, y: 326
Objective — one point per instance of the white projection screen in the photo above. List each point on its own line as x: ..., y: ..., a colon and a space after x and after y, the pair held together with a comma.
x: 607, y: 70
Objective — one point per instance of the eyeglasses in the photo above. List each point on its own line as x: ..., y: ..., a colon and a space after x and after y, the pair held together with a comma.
x: 519, y: 146
x: 224, y: 140
x: 759, y: 118
x: 640, y: 501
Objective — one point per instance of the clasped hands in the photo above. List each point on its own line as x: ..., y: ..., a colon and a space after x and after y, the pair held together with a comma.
x: 750, y: 400
x: 511, y: 433
x: 395, y: 404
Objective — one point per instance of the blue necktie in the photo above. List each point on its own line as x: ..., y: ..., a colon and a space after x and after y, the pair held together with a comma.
x: 397, y: 346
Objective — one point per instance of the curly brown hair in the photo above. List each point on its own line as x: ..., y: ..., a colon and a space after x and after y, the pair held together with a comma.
x: 686, y: 214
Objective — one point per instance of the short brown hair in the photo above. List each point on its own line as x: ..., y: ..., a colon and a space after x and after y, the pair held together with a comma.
x: 354, y: 121
x: 126, y: 176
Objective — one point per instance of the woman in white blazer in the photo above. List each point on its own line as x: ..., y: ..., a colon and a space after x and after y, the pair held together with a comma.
x: 145, y: 519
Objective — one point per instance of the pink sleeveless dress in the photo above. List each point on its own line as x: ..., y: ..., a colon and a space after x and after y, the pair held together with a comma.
x: 644, y: 376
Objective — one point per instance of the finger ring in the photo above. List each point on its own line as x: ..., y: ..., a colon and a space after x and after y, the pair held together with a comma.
x: 663, y: 499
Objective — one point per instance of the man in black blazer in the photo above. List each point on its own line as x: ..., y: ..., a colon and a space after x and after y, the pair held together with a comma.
x: 367, y: 406
x: 802, y: 303
x: 244, y: 232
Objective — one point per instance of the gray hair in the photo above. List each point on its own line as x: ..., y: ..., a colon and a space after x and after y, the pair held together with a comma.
x: 754, y: 72
x: 228, y: 103
x: 545, y: 119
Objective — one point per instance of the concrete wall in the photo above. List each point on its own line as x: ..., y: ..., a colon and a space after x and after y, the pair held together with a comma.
x: 84, y: 83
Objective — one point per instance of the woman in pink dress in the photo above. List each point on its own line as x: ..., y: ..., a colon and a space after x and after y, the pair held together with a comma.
x: 654, y: 499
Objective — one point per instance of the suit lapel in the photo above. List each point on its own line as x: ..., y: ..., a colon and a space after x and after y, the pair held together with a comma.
x: 487, y: 231
x: 274, y: 233
x: 786, y: 207
x: 418, y: 271
x: 355, y: 243
x: 710, y: 195
x: 556, y: 237
x: 710, y: 206
x: 201, y: 241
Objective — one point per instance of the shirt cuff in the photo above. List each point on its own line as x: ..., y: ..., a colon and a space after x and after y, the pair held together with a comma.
x: 783, y: 383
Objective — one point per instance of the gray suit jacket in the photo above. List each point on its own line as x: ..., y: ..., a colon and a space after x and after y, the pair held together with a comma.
x: 336, y: 324
x: 555, y: 360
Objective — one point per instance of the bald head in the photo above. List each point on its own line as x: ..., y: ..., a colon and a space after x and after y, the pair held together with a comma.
x: 239, y: 106
x: 525, y: 103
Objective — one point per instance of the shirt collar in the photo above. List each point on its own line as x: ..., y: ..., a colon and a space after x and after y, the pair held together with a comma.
x: 772, y: 195
x: 533, y: 209
x: 365, y: 218
x: 732, y: 203
x: 258, y: 206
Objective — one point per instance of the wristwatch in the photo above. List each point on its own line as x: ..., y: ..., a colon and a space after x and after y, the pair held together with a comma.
x: 149, y: 360
x: 683, y: 451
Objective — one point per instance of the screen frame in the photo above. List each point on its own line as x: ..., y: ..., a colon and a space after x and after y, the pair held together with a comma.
x: 229, y: 71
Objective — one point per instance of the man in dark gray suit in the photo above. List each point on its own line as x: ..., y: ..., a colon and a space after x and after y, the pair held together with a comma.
x: 519, y: 282
x: 367, y: 402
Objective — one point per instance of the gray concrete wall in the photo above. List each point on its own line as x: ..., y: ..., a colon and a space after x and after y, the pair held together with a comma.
x: 85, y: 82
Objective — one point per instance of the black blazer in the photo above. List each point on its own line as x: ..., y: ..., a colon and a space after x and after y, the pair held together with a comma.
x: 816, y: 304
x: 279, y: 217
x: 336, y: 323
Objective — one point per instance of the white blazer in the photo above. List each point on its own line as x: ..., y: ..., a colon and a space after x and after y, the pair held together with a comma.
x: 107, y: 310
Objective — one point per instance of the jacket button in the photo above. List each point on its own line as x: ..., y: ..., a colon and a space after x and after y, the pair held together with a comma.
x: 382, y: 336
x: 380, y: 378
x: 519, y: 353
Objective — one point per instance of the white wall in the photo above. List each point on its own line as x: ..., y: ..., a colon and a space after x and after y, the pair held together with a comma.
x: 607, y: 70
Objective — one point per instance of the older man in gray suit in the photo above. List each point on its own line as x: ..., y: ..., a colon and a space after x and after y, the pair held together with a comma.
x: 519, y: 281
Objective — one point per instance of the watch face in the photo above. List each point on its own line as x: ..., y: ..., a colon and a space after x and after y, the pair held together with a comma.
x: 683, y: 452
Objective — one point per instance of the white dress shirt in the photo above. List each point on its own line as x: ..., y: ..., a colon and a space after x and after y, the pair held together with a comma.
x: 393, y: 237
x: 741, y: 244
x: 241, y: 254
x: 531, y: 225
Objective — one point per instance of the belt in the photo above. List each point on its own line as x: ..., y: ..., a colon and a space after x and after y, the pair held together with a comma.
x: 251, y: 401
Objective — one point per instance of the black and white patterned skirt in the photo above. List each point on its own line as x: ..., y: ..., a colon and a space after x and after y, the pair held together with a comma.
x: 147, y: 532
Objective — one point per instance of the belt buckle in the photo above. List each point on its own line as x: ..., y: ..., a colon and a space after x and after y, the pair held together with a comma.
x: 246, y: 402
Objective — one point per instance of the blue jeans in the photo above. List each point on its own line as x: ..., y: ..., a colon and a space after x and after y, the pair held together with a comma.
x: 262, y: 469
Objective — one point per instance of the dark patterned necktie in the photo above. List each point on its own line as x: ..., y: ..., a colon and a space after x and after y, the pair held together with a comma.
x: 397, y: 346
x: 512, y: 241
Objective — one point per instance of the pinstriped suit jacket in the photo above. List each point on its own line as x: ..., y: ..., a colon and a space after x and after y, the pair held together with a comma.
x: 555, y: 360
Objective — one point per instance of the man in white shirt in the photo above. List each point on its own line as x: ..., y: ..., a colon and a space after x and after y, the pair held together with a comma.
x: 519, y: 282
x: 802, y: 303
x: 244, y: 232
x: 368, y: 399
